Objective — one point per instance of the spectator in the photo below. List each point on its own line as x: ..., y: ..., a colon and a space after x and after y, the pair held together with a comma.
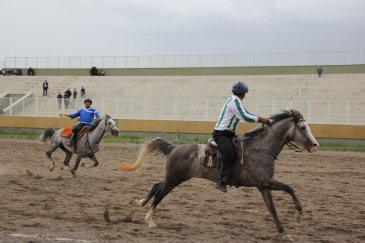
x: 15, y: 72
x: 45, y: 88
x: 74, y: 94
x: 94, y: 71
x: 82, y: 92
x: 59, y: 98
x: 319, y: 70
x: 30, y: 71
x: 66, y: 97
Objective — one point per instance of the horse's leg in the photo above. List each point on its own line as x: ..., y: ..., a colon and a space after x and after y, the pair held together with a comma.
x: 142, y: 202
x: 76, y: 165
x: 49, y: 156
x: 66, y: 162
x: 278, y: 186
x: 160, y: 192
x: 266, y: 194
x: 93, y: 158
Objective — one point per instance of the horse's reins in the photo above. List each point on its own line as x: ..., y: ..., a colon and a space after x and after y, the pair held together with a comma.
x: 88, y: 140
x: 288, y: 141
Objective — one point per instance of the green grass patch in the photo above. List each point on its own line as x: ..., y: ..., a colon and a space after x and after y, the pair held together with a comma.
x: 140, y: 138
x: 352, y: 145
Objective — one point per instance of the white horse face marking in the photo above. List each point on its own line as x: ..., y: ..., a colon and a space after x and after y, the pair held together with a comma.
x: 302, y: 134
x: 111, y: 127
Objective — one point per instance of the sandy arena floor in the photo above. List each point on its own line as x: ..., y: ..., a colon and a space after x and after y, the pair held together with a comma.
x: 37, y: 205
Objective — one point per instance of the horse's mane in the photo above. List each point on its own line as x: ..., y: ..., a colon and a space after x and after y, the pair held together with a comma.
x: 275, y: 118
x: 286, y: 114
x: 97, y: 122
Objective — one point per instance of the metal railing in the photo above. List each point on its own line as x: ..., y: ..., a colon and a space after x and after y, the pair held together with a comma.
x: 178, y: 61
x: 323, y: 112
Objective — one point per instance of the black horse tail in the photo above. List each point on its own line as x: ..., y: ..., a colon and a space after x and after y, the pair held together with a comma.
x: 47, y: 134
x: 158, y: 145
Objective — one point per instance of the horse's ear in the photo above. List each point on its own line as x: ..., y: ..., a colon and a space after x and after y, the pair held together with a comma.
x: 107, y: 116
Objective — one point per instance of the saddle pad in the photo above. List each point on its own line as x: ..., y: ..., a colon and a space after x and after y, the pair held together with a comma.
x: 66, y: 132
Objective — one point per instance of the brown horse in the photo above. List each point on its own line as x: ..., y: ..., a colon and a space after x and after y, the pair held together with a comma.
x: 260, y: 149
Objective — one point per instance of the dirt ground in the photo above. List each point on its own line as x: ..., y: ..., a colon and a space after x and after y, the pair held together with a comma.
x: 37, y: 205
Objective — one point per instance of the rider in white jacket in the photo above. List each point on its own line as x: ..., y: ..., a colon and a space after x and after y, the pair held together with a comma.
x: 232, y: 112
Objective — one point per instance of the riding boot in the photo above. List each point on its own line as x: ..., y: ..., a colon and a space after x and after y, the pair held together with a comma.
x: 221, y: 184
x: 72, y: 139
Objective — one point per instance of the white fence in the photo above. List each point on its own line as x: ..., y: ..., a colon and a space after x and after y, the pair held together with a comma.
x: 178, y: 61
x: 340, y: 112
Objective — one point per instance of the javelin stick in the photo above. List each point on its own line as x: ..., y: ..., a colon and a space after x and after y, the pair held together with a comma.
x: 59, y: 114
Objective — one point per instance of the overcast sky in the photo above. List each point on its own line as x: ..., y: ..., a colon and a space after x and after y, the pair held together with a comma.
x: 173, y: 27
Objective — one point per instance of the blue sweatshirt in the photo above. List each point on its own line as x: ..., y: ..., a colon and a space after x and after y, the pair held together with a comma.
x: 86, y: 116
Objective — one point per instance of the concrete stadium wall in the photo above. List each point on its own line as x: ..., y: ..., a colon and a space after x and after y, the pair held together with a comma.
x: 275, y: 70
x: 190, y: 127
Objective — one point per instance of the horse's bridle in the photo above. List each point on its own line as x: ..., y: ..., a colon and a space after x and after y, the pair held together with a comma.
x: 288, y: 140
x: 106, y: 124
x: 87, y: 134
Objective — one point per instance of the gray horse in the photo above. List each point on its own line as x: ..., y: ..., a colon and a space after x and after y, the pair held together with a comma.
x: 86, y: 146
x: 261, y: 148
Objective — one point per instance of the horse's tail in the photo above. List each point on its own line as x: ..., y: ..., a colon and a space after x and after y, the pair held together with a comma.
x: 158, y: 145
x: 47, y: 134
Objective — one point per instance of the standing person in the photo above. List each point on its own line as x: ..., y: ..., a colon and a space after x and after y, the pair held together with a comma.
x: 74, y: 94
x: 319, y: 70
x: 59, y: 98
x: 94, y: 71
x: 232, y: 112
x: 82, y: 92
x: 30, y: 71
x: 45, y: 88
x: 66, y: 97
x: 86, y: 119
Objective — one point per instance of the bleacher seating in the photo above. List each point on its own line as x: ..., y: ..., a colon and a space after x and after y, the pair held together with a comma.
x: 198, y: 97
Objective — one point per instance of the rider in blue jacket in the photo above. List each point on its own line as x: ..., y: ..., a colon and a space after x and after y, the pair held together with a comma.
x: 86, y: 119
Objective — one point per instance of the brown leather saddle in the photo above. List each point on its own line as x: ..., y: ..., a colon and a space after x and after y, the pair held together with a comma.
x: 211, y: 157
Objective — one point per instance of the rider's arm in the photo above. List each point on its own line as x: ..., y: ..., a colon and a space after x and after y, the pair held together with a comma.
x: 242, y: 113
x: 97, y: 115
x: 74, y: 115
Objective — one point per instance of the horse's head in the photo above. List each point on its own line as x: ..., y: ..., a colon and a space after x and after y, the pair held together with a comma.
x: 110, y: 126
x: 300, y: 132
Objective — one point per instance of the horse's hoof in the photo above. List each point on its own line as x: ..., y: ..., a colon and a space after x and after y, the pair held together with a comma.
x: 133, y: 203
x: 73, y: 173
x: 287, y: 237
x: 92, y: 166
x: 66, y: 168
x: 152, y: 224
x: 51, y: 168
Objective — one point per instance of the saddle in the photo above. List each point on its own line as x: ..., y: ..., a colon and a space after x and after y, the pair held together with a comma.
x: 67, y: 132
x: 211, y: 157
